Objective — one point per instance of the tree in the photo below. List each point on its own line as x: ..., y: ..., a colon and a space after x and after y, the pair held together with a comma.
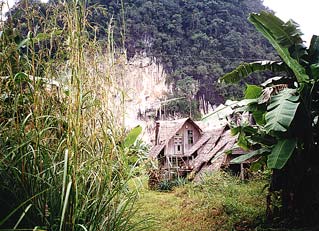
x: 201, y: 39
x: 286, y: 111
x: 187, y: 88
x: 183, y: 103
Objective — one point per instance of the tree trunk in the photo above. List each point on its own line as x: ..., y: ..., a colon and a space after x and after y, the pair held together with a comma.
x: 298, y: 185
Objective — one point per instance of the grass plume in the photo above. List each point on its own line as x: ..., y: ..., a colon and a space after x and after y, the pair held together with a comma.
x: 63, y: 162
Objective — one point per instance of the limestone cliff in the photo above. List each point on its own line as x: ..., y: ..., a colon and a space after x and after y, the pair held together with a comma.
x: 144, y: 84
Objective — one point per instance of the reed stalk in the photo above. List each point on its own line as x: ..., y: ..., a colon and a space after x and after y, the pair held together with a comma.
x: 63, y: 160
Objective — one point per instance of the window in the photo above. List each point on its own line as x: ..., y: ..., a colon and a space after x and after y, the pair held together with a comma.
x: 190, y: 137
x: 178, y: 144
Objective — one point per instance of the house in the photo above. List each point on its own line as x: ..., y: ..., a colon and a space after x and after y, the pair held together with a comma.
x: 173, y: 140
x: 183, y: 148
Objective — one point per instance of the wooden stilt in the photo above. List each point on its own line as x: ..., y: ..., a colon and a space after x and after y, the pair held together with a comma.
x: 242, y: 175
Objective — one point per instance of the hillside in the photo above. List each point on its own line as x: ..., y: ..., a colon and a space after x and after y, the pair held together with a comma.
x: 198, y: 40
x: 195, y: 41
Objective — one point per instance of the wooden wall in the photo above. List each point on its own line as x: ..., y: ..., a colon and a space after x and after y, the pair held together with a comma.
x: 183, y: 132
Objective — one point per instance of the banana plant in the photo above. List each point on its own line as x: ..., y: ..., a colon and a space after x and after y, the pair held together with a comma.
x: 281, y: 100
x: 285, y: 109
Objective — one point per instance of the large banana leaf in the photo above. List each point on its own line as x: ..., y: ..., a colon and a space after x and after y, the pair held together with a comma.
x: 281, y: 153
x: 281, y: 110
x: 132, y: 136
x: 252, y: 91
x: 245, y: 69
x: 249, y: 155
x: 282, y: 36
x: 224, y: 110
x: 287, y: 34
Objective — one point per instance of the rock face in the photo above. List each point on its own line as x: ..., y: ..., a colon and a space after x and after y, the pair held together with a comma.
x: 144, y: 84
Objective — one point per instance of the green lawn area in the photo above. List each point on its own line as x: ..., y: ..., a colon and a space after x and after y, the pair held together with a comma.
x: 220, y: 202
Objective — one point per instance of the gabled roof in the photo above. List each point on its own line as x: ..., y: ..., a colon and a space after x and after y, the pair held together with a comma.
x: 206, y: 143
x: 168, y: 129
x: 215, y: 136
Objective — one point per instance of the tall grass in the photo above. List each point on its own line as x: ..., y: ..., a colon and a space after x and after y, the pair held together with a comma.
x: 237, y: 203
x: 63, y: 153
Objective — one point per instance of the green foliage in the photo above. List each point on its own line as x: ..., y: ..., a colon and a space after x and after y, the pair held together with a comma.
x: 286, y: 115
x: 63, y: 165
x: 218, y: 202
x: 245, y: 69
x: 282, y: 36
x: 313, y: 51
x: 200, y: 40
x: 132, y: 136
x: 252, y: 91
x: 183, y: 102
x: 192, y: 39
x: 168, y: 185
x: 183, y: 107
x: 231, y: 197
x: 281, y: 111
x: 281, y: 153
x: 274, y: 111
x: 165, y: 185
x: 247, y: 156
x: 186, y: 87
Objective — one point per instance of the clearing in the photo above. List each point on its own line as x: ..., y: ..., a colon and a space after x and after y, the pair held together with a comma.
x: 220, y: 202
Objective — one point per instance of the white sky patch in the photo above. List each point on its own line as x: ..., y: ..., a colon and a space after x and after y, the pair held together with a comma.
x: 304, y: 12
x: 7, y: 3
x: 10, y: 3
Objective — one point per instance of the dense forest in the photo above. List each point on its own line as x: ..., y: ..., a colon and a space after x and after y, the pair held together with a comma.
x: 194, y: 40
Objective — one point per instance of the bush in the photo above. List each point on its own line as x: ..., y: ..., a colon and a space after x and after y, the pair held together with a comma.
x: 168, y: 185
